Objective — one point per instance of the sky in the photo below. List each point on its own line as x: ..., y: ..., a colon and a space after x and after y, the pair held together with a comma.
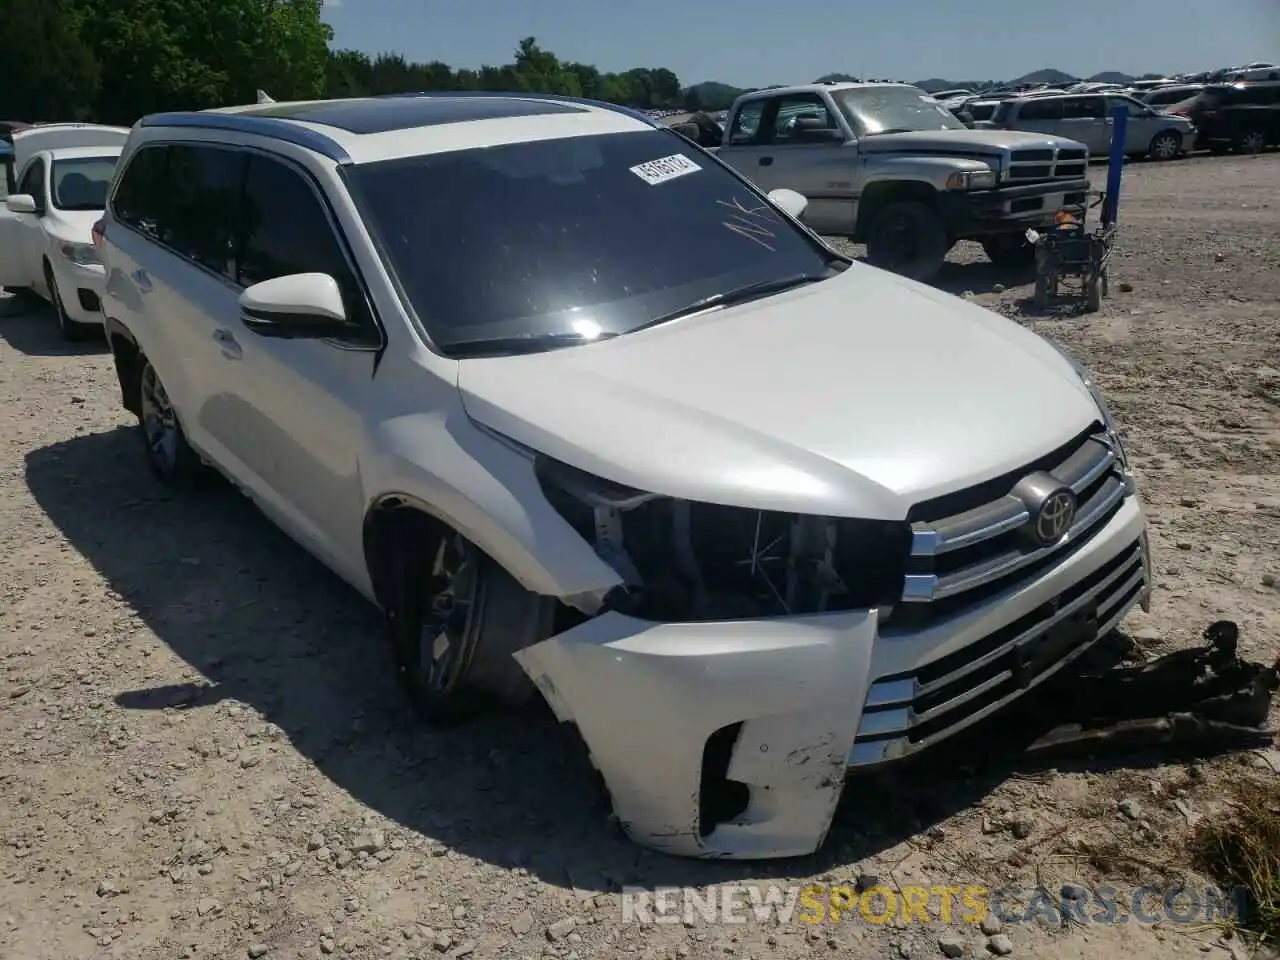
x: 759, y: 42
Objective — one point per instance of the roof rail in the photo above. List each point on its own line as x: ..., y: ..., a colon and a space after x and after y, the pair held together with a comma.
x: 272, y: 127
x: 517, y: 95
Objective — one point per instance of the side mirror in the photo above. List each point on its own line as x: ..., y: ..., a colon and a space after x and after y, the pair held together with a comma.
x: 21, y: 203
x: 791, y: 202
x: 300, y: 305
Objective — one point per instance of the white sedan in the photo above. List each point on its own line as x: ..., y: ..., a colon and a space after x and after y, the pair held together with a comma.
x: 46, y: 233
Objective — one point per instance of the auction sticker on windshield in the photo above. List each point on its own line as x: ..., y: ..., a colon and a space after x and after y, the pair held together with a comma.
x: 665, y: 168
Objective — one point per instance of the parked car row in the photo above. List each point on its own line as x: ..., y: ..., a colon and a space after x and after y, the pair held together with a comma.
x: 532, y: 432
x: 56, y: 178
x: 1164, y: 122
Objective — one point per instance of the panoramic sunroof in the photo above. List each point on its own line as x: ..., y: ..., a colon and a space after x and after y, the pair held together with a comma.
x: 383, y: 115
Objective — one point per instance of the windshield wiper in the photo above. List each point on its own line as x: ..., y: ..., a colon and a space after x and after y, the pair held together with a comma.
x: 741, y: 294
x: 894, y: 130
x: 530, y: 343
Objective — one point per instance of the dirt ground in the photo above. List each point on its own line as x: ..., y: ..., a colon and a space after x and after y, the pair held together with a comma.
x: 203, y: 753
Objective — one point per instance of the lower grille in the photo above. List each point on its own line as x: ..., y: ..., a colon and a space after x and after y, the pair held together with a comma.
x: 908, y: 712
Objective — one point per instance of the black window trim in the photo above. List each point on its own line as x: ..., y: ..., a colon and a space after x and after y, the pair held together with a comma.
x: 344, y: 246
x: 37, y: 161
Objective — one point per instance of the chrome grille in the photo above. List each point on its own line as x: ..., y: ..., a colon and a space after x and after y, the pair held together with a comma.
x: 1067, y: 163
x: 908, y: 712
x: 966, y: 547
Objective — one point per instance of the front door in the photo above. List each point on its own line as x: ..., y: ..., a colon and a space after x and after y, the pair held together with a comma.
x: 805, y: 150
x: 22, y: 234
x: 294, y: 416
x: 1085, y: 119
x: 1141, y: 123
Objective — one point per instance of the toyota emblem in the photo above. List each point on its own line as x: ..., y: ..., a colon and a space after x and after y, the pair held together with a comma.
x: 1055, y: 516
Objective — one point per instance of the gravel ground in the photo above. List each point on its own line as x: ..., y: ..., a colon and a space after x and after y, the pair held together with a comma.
x: 200, y: 756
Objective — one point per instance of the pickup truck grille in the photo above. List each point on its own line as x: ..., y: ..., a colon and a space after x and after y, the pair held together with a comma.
x: 1029, y: 166
x: 969, y: 546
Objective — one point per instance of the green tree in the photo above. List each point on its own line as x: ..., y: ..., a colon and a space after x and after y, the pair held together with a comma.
x: 48, y: 70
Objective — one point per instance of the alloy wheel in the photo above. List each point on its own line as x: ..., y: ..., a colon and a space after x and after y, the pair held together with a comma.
x: 444, y: 638
x: 159, y: 422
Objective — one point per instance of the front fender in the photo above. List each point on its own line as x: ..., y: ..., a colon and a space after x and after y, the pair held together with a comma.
x: 486, y: 489
x: 927, y: 171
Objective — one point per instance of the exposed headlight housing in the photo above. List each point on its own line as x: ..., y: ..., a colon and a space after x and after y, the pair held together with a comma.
x: 1104, y: 411
x: 83, y: 254
x: 972, y: 180
x: 686, y: 561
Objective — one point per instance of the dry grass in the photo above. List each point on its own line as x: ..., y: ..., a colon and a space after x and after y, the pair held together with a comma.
x: 1242, y: 849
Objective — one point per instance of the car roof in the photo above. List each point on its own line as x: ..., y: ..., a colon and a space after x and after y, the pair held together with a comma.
x: 366, y: 129
x: 816, y: 87
x: 77, y: 153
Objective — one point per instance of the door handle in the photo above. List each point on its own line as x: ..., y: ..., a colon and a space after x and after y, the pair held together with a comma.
x: 226, y: 339
x: 142, y: 281
x: 766, y: 161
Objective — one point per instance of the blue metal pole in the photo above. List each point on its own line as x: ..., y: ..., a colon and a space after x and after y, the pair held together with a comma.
x: 1115, y: 164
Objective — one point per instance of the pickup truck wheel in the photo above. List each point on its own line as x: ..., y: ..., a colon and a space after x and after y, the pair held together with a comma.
x: 1010, y: 251
x: 169, y: 456
x: 908, y: 238
x: 455, y: 618
x: 1166, y: 146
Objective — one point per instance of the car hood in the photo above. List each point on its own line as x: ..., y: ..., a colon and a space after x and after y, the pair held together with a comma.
x: 980, y: 142
x: 857, y: 396
x: 72, y: 226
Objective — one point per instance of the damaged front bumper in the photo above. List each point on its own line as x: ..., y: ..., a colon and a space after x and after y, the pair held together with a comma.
x: 777, y: 711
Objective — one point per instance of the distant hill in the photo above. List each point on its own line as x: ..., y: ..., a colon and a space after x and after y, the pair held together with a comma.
x: 716, y: 96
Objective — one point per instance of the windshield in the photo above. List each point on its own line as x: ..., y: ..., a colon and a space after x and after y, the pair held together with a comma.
x: 576, y: 237
x: 873, y: 110
x: 81, y: 183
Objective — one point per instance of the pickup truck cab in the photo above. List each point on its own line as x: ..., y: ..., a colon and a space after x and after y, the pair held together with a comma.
x: 885, y: 164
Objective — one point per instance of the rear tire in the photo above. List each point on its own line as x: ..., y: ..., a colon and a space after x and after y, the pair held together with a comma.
x: 1093, y: 295
x: 907, y: 238
x: 1166, y: 146
x: 1252, y: 141
x: 1040, y: 299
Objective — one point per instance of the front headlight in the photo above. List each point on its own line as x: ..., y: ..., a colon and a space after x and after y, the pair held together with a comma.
x: 81, y: 253
x: 686, y: 561
x: 972, y: 180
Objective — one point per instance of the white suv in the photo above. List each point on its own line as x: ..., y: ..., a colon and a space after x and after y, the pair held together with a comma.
x: 585, y: 412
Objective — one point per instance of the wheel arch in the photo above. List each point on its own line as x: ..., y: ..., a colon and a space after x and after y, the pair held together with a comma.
x: 880, y: 194
x: 128, y: 363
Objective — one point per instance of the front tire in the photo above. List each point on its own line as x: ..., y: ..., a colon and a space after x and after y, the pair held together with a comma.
x: 71, y: 331
x: 1166, y: 146
x: 455, y: 619
x: 170, y: 457
x: 1010, y: 251
x: 907, y: 238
